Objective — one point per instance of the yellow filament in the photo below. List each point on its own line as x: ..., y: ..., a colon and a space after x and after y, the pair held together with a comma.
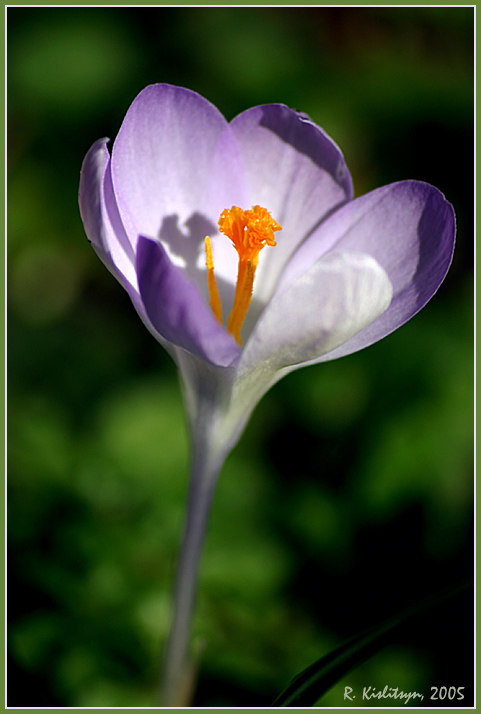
x: 249, y: 232
x: 215, y: 303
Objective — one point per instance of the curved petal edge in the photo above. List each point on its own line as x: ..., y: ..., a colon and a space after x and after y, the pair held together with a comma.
x: 177, y: 309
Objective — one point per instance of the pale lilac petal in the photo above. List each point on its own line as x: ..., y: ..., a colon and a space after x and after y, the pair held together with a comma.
x: 177, y: 309
x: 104, y: 228
x: 325, y: 306
x: 409, y: 228
x: 100, y: 215
x: 295, y: 171
x: 174, y: 164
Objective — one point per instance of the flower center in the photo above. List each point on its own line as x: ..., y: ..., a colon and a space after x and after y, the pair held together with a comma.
x: 249, y: 232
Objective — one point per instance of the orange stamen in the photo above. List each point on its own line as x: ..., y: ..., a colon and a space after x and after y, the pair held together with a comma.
x: 242, y: 298
x: 215, y: 302
x: 249, y: 232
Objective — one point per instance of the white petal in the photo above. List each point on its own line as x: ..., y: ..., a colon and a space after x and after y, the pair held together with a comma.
x: 317, y: 312
x: 324, y: 307
x: 409, y: 228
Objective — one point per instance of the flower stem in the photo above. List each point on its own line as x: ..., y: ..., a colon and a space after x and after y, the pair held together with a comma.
x: 177, y: 671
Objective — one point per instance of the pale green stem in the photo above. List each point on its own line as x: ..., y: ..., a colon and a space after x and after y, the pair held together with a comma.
x: 176, y: 661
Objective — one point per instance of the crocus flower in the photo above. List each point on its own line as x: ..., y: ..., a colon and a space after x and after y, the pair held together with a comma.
x: 246, y: 257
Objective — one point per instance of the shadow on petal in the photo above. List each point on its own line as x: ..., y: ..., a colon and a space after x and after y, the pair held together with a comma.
x: 300, y: 132
x: 186, y: 243
x: 436, y: 230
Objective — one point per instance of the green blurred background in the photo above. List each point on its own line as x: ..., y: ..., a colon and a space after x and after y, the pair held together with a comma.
x: 350, y: 493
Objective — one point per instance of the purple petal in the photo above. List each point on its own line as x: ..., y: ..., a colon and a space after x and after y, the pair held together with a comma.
x: 317, y: 312
x: 177, y: 310
x: 174, y: 161
x: 105, y: 230
x: 295, y: 171
x: 100, y: 215
x: 409, y: 228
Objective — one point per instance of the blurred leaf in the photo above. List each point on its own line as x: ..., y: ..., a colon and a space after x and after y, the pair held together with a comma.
x: 64, y: 64
x: 308, y: 686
